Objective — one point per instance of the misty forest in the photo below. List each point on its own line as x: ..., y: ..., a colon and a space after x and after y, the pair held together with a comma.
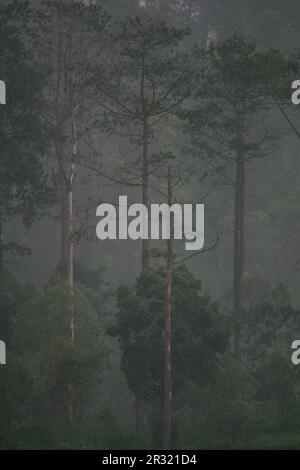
x: 127, y: 344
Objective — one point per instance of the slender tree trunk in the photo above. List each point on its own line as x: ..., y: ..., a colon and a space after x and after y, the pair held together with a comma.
x: 63, y: 194
x: 70, y: 269
x: 239, y: 237
x: 63, y: 230
x: 65, y: 106
x: 140, y: 405
x: 70, y: 281
x: 145, y: 247
x: 66, y: 180
x: 70, y: 253
x: 70, y: 244
x: 168, y: 334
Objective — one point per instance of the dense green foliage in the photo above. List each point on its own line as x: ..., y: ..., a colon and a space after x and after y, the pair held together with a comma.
x: 199, y: 333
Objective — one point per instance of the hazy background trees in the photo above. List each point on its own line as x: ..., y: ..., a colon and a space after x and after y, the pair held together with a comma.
x: 103, y: 96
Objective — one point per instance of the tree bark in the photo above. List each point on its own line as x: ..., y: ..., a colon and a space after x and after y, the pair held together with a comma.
x: 66, y: 181
x: 145, y: 176
x: 70, y: 269
x: 70, y: 252
x: 239, y: 236
x: 140, y: 406
x: 168, y: 334
x: 63, y: 228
